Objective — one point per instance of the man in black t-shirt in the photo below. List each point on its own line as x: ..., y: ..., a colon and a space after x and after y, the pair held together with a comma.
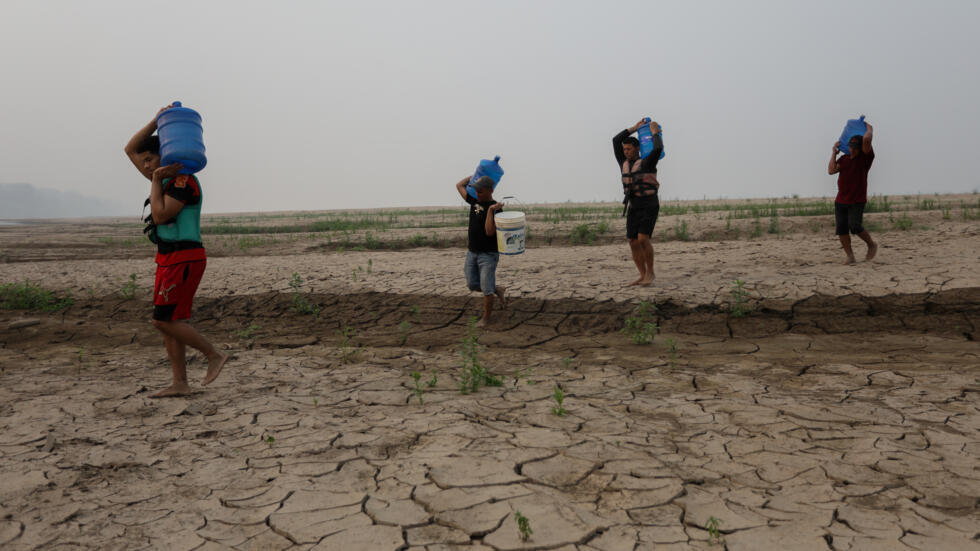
x: 640, y: 186
x: 481, y: 255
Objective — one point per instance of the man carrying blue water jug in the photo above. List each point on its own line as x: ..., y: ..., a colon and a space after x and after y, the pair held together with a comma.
x: 174, y: 225
x: 482, y: 255
x: 852, y: 191
x: 641, y: 203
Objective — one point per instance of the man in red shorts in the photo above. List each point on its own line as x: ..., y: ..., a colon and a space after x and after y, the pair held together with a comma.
x: 175, y: 210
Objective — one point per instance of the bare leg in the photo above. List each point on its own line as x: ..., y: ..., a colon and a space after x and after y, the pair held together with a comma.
x: 637, y: 252
x: 189, y: 336
x: 487, y: 310
x: 646, y: 249
x: 845, y: 242
x: 500, y: 292
x: 872, y: 246
x: 177, y: 354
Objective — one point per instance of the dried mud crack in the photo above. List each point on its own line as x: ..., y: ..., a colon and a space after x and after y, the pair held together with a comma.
x: 826, y: 422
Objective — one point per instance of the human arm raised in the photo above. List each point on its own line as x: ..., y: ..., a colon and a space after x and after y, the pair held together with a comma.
x: 132, y: 148
x: 461, y: 187
x: 163, y: 207
x: 833, y: 167
x: 866, y: 140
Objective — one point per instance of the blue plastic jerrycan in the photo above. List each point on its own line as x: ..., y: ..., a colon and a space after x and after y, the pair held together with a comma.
x: 181, y: 138
x: 646, y: 139
x: 486, y: 168
x: 854, y: 127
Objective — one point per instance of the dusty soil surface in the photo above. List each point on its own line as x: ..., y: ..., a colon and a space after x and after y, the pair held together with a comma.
x: 841, y: 413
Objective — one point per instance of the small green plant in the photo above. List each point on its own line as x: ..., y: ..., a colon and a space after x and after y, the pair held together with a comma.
x: 756, y: 229
x: 417, y: 377
x: 903, y: 223
x: 672, y: 350
x: 583, y: 233
x: 316, y: 402
x: 565, y: 362
x: 714, y: 533
x: 247, y: 332
x: 348, y: 350
x: 415, y: 312
x: 431, y: 383
x: 354, y: 274
x: 269, y: 440
x: 524, y: 373
x: 640, y: 326
x: 523, y: 526
x: 680, y: 231
x: 128, y: 290
x: 947, y: 213
x: 559, y: 396
x: 302, y: 305
x: 370, y: 266
x: 403, y: 328
x: 774, y: 224
x: 473, y: 375
x: 30, y: 296
x: 739, y: 307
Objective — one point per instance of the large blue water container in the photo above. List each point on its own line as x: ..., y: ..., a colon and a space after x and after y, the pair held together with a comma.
x: 854, y: 127
x: 486, y: 168
x: 646, y: 139
x: 181, y: 138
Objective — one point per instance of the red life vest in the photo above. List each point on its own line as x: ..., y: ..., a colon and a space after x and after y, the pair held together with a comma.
x: 636, y: 182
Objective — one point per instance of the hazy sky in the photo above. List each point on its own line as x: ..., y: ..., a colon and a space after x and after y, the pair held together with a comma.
x: 323, y: 105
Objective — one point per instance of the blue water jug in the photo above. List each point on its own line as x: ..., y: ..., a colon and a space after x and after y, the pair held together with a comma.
x: 181, y: 138
x: 854, y: 127
x: 646, y: 139
x: 486, y: 168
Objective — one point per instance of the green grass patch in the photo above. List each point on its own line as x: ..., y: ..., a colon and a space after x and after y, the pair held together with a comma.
x: 31, y: 296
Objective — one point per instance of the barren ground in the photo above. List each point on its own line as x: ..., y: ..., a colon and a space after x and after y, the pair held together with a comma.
x: 842, y: 412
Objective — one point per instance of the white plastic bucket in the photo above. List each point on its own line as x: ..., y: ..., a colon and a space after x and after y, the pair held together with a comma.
x: 511, y: 231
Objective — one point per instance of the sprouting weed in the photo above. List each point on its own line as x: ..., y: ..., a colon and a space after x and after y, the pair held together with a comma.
x: 473, y: 375
x: 247, y: 332
x: 431, y: 383
x: 316, y: 402
x: 415, y: 312
x: 565, y: 362
x: 354, y: 275
x: 524, y: 373
x: 269, y: 440
x: 348, y: 350
x: 301, y: 305
x: 672, y: 350
x: 128, y: 290
x: 417, y: 377
x: 370, y: 265
x: 403, y: 328
x: 714, y: 533
x: 640, y: 326
x: 559, y: 396
x: 523, y: 526
x: 739, y: 307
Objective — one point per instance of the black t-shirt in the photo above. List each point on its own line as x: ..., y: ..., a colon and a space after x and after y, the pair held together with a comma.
x: 479, y: 241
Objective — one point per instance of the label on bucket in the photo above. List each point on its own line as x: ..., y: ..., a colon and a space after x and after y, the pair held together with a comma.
x: 511, y: 241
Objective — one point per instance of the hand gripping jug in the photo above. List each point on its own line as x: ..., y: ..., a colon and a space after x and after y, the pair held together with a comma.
x: 854, y: 127
x: 486, y: 168
x: 181, y: 138
x: 646, y: 139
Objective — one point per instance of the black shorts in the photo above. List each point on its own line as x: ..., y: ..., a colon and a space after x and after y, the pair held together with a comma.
x: 849, y: 218
x: 641, y: 220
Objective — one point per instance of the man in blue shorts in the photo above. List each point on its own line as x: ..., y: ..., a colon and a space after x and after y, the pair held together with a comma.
x: 481, y: 254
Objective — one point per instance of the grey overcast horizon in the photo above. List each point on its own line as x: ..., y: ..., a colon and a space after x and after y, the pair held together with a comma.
x: 369, y: 104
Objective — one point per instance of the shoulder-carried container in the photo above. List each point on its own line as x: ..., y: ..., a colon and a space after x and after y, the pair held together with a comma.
x: 646, y: 139
x: 486, y: 168
x: 854, y: 127
x: 181, y: 138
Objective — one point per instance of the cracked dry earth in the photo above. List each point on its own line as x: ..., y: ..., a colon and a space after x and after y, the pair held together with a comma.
x: 842, y: 414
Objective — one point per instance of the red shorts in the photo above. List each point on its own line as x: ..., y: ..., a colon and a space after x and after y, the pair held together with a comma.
x: 174, y: 288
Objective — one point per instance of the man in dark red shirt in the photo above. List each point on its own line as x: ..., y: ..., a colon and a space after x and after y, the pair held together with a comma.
x: 852, y: 192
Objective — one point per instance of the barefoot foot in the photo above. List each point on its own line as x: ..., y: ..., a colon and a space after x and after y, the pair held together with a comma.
x: 483, y: 322
x: 501, y: 296
x: 214, y: 367
x: 645, y: 282
x: 174, y: 390
x: 872, y: 251
x: 850, y: 260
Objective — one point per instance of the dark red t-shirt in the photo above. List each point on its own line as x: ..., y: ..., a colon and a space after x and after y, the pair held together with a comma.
x: 852, y: 180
